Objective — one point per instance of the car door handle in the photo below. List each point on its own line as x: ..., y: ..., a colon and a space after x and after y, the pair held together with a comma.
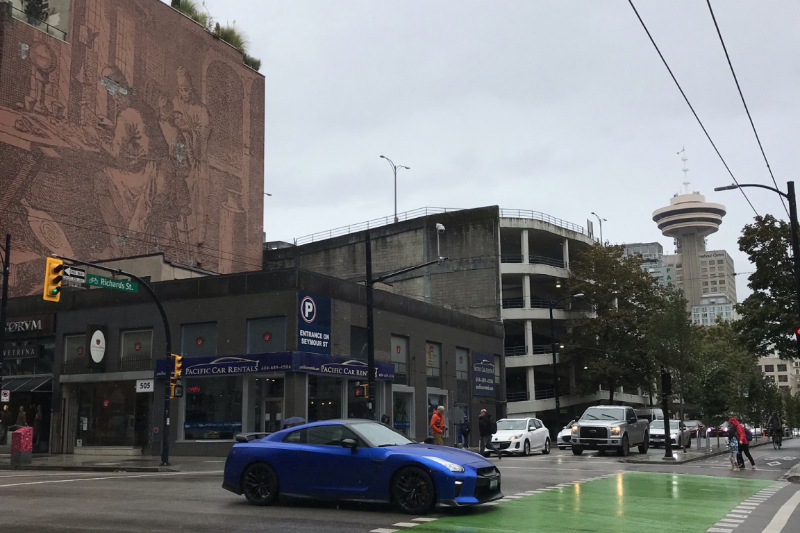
x: 378, y: 461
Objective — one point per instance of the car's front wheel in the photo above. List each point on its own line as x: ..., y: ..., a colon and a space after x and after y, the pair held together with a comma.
x: 645, y: 444
x: 413, y: 490
x: 577, y: 450
x: 546, y: 448
x: 260, y: 484
x: 526, y: 448
x: 625, y: 448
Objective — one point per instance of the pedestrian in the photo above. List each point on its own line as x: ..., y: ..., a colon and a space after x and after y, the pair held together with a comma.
x: 744, y: 443
x: 733, y: 450
x: 465, y: 430
x: 487, y: 427
x: 22, y: 420
x: 437, y: 425
x: 385, y: 419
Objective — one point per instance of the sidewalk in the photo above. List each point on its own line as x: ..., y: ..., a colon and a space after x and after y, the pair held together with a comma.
x: 110, y: 463
x: 690, y: 455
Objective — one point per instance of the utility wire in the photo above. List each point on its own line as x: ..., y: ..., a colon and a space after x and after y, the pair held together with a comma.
x: 741, y: 95
x: 690, y: 106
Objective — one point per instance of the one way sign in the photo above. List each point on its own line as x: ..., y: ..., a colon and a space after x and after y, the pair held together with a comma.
x: 75, y: 275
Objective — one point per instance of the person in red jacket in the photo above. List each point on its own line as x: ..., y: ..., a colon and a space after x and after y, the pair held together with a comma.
x: 437, y: 426
x: 744, y: 444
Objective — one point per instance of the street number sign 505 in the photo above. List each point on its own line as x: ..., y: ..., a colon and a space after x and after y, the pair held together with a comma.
x: 145, y: 385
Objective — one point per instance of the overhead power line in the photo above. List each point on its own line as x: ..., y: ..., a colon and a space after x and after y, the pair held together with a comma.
x: 741, y: 95
x: 690, y: 105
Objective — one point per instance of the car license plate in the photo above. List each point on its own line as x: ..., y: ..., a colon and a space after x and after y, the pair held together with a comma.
x: 493, y: 484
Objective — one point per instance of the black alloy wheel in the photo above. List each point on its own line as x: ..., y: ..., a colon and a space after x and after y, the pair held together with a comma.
x: 546, y: 449
x: 413, y: 490
x: 625, y: 449
x: 526, y: 448
x: 576, y: 450
x: 260, y: 484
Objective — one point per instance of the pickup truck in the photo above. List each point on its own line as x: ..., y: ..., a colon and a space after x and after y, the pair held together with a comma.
x: 605, y: 427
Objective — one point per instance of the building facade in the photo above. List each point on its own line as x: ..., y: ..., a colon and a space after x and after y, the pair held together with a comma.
x: 785, y: 373
x: 258, y: 348
x: 125, y: 129
x: 503, y: 264
x: 653, y: 263
x: 713, y: 307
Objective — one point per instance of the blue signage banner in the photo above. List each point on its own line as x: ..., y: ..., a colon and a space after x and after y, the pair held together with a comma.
x: 232, y: 365
x: 313, y: 323
x: 483, y: 374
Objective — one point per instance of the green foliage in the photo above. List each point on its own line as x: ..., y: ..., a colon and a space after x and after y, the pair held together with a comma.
x: 769, y: 315
x: 252, y: 62
x: 791, y: 409
x: 234, y: 37
x: 190, y: 9
x: 609, y: 348
x: 35, y: 9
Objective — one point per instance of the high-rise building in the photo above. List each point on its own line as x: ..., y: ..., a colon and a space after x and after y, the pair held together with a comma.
x: 699, y: 272
x: 653, y: 255
x: 785, y: 373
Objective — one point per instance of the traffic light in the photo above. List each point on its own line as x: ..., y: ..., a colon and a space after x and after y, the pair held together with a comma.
x: 175, y: 386
x: 52, y: 279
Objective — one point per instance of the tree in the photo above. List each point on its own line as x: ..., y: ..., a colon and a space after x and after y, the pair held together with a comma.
x: 607, y: 346
x: 791, y: 408
x: 769, y: 315
x: 190, y: 9
x: 36, y: 11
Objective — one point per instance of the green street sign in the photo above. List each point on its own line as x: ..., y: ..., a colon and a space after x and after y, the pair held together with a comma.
x: 125, y: 285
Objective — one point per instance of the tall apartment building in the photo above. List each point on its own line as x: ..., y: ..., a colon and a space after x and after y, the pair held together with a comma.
x: 784, y: 373
x: 653, y: 255
x: 504, y: 265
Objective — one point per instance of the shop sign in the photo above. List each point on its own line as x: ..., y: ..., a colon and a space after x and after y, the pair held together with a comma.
x: 314, y: 323
x: 231, y: 365
x: 26, y: 351
x: 96, y: 342
x: 483, y: 374
x: 29, y: 326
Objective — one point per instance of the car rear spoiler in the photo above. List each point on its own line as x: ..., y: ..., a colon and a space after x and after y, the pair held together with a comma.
x: 247, y: 437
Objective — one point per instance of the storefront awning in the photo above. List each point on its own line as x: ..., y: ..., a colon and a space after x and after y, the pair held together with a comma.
x: 28, y: 384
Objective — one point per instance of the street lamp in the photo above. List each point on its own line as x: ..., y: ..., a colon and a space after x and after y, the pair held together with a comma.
x: 790, y: 196
x: 552, y: 304
x: 4, y: 305
x: 600, y: 220
x: 394, y: 168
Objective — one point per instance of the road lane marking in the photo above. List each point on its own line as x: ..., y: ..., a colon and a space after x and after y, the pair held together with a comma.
x: 783, y: 514
x: 718, y: 530
x: 162, y: 474
x: 405, y: 524
x: 732, y: 520
x: 384, y: 530
x: 423, y: 519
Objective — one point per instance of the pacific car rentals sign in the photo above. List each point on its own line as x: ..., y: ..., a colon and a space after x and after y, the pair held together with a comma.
x: 231, y: 365
x: 482, y: 374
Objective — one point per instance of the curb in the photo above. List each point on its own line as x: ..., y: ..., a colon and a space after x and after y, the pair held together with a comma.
x: 793, y: 475
x: 687, y: 460
x: 89, y: 468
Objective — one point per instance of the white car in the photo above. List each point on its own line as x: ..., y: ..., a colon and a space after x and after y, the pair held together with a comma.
x: 522, y: 436
x: 679, y: 433
x: 564, y: 439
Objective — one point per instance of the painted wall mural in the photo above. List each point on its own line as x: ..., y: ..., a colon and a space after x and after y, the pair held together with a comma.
x: 139, y: 133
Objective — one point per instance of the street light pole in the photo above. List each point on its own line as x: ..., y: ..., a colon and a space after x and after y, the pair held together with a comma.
x: 4, y: 305
x: 394, y: 168
x: 553, y: 348
x: 790, y: 196
x: 600, y: 220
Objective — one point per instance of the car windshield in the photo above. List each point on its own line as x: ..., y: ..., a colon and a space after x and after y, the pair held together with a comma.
x: 512, y: 424
x: 380, y: 435
x: 692, y: 423
x: 604, y: 413
x: 659, y: 424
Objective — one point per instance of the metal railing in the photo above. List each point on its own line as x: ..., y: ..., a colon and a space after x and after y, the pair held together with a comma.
x: 545, y: 394
x: 536, y: 349
x: 513, y: 303
x: 76, y: 366
x: 545, y: 304
x: 540, y: 260
x: 133, y: 364
x: 517, y: 396
x: 374, y: 223
x: 38, y: 24
x: 535, y: 215
x: 511, y: 351
x: 510, y: 258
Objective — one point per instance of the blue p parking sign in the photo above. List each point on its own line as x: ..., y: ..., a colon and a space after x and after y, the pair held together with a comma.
x: 313, y: 323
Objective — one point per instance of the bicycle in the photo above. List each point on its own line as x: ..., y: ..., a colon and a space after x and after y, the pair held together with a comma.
x: 776, y: 439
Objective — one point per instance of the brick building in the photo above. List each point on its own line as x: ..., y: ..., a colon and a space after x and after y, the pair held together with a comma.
x: 127, y: 129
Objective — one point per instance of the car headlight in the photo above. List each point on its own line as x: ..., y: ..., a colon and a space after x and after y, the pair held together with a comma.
x: 673, y: 435
x: 515, y: 437
x: 575, y: 428
x: 447, y: 464
x: 615, y: 430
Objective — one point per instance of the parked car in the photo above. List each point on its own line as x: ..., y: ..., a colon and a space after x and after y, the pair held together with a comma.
x: 649, y: 414
x: 357, y: 460
x: 564, y: 438
x: 679, y: 433
x: 720, y: 430
x: 521, y: 436
x: 696, y: 428
x: 610, y: 427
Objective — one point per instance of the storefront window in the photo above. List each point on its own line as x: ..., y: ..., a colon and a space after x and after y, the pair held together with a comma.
x: 73, y: 348
x: 403, y: 412
x: 357, y: 399
x: 433, y: 363
x: 266, y: 335
x: 199, y: 340
x: 358, y: 343
x: 462, y: 375
x: 137, y: 350
x: 434, y: 401
x: 324, y: 398
x: 28, y: 357
x: 107, y: 414
x: 400, y: 359
x: 213, y: 408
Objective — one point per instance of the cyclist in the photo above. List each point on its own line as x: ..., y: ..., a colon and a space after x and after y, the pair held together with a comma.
x: 776, y: 428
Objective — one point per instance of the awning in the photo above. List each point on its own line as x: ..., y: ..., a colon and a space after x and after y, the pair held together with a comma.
x: 28, y: 384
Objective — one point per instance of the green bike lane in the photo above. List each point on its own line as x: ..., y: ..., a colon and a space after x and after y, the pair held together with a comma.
x: 624, y: 501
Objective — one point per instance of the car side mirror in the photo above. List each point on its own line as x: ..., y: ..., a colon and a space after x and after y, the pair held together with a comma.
x: 350, y: 443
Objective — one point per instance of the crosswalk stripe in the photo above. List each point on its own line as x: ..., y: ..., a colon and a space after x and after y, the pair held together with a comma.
x: 423, y: 519
x: 405, y: 524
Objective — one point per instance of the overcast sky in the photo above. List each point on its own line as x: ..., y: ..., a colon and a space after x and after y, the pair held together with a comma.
x: 556, y: 106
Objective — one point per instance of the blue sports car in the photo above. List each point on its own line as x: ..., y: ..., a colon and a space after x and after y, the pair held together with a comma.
x: 357, y: 460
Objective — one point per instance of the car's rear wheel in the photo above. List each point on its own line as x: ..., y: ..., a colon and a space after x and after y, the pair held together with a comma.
x: 260, y: 484
x: 546, y: 448
x: 576, y: 450
x: 413, y: 490
x: 645, y: 444
x: 625, y: 448
x: 526, y: 448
